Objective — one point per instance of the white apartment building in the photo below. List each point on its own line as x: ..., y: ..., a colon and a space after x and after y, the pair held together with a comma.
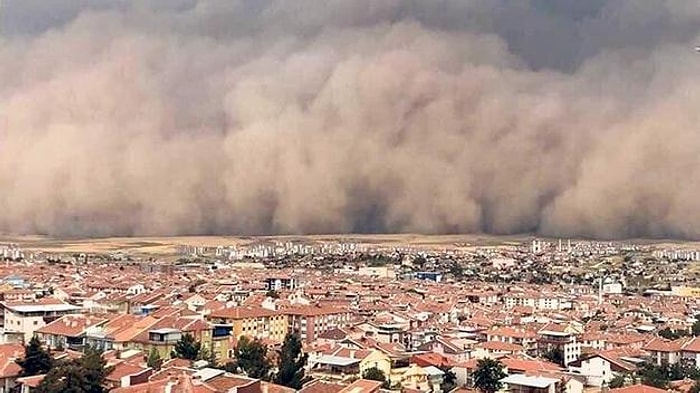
x: 26, y: 318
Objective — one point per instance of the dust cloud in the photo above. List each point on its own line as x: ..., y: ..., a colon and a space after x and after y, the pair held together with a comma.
x: 566, y: 118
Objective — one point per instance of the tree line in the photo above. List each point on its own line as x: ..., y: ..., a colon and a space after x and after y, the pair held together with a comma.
x: 87, y: 374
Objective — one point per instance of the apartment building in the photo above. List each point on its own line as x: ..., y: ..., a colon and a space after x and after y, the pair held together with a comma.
x: 251, y: 321
x: 311, y: 321
x: 561, y: 337
x: 27, y: 318
x: 538, y: 301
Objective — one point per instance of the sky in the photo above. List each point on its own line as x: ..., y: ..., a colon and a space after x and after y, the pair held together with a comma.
x: 252, y: 117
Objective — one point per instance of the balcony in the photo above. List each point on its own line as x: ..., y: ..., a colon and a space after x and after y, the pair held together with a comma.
x: 222, y: 331
x: 164, y: 335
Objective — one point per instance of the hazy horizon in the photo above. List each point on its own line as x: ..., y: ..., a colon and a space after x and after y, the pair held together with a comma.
x: 256, y: 117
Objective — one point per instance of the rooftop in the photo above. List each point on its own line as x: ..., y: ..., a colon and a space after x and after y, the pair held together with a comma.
x: 523, y: 380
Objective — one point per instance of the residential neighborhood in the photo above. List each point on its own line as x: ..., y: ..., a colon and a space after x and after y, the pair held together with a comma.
x: 354, y: 331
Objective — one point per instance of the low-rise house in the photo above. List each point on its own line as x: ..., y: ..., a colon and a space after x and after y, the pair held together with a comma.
x: 28, y: 384
x: 416, y: 378
x: 69, y: 331
x: 458, y: 350
x: 495, y: 349
x: 513, y: 335
x: 124, y: 374
x: 362, y: 386
x: 9, y: 369
x: 599, y: 368
x: 663, y: 351
x: 166, y: 332
x: 639, y: 388
x: 520, y: 383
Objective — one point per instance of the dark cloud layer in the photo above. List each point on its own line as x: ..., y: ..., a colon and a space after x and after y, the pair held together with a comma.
x: 567, y: 117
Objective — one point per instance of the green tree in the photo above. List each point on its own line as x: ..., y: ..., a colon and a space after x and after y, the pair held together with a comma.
x: 419, y: 262
x: 375, y: 374
x: 291, y: 363
x: 696, y: 326
x: 95, y: 369
x: 251, y: 357
x: 659, y: 376
x: 186, y: 348
x: 488, y: 374
x: 207, y: 355
x: 65, y: 377
x: 653, y: 375
x: 669, y: 334
x: 448, y: 379
x: 457, y: 270
x: 36, y: 359
x: 84, y: 375
x: 231, y: 367
x: 154, y: 360
x: 617, y: 381
x: 555, y: 355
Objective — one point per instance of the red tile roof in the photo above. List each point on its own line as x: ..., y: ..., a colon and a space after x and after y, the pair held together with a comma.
x: 638, y: 389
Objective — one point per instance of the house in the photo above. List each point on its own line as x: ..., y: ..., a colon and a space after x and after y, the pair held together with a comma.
x: 125, y: 374
x: 513, y: 335
x: 601, y: 367
x: 28, y: 317
x: 663, y: 351
x: 435, y: 377
x: 27, y: 384
x: 690, y: 351
x: 172, y: 380
x: 639, y: 388
x: 194, y: 301
x: 416, y: 378
x: 519, y: 383
x: 319, y: 386
x: 339, y: 367
x: 69, y: 331
x: 136, y: 289
x: 167, y: 331
x: 512, y: 365
x: 458, y: 350
x: 568, y: 383
x: 494, y: 349
x: 362, y: 386
x: 376, y: 359
x: 119, y: 332
x: 9, y: 369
